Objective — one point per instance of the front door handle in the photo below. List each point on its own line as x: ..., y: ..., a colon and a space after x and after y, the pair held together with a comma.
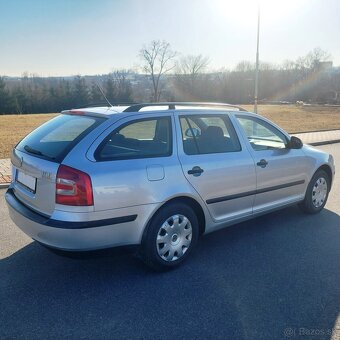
x: 196, y: 171
x: 262, y: 163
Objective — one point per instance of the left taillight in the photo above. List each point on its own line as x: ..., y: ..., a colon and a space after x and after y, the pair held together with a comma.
x: 73, y: 187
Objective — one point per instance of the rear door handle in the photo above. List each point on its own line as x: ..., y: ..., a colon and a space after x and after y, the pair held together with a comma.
x: 262, y: 163
x: 196, y: 171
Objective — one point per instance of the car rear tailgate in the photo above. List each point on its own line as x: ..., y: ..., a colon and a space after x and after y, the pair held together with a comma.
x: 34, y: 181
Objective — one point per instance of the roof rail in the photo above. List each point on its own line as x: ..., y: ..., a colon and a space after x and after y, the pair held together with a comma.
x: 172, y: 105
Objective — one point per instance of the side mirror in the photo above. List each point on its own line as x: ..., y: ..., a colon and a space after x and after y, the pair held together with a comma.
x: 295, y: 143
x: 193, y: 132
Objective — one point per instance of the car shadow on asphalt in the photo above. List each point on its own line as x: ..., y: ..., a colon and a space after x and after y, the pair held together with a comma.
x: 259, y: 279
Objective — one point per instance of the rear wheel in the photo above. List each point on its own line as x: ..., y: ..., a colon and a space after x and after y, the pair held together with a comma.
x: 170, y: 237
x: 317, y: 193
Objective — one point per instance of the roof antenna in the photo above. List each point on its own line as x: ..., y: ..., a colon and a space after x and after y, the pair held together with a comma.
x: 102, y: 92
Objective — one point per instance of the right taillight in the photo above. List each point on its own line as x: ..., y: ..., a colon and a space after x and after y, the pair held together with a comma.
x: 73, y: 187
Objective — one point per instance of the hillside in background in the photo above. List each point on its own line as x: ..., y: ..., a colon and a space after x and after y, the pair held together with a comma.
x: 308, y: 80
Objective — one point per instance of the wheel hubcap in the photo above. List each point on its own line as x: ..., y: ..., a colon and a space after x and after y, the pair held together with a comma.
x: 319, y: 192
x: 174, y: 238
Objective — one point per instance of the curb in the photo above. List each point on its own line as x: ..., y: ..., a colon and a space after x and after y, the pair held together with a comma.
x: 327, y: 142
x: 313, y: 131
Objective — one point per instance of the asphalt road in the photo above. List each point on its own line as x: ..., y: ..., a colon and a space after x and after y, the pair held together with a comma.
x: 274, y: 277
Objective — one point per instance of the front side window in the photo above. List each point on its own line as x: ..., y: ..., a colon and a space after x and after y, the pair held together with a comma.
x: 205, y: 134
x: 262, y: 135
x: 141, y: 138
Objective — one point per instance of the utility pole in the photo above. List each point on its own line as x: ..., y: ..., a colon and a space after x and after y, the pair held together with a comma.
x: 257, y: 61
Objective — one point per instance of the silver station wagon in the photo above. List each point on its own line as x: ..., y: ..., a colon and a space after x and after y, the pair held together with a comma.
x: 158, y: 175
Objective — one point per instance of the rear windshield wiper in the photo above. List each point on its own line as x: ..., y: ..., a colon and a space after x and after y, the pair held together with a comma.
x: 36, y: 152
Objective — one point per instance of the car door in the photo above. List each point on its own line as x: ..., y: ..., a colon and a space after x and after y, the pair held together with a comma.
x: 280, y: 171
x: 216, y: 163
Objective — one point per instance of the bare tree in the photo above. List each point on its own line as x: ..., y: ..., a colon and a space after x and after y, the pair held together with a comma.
x: 312, y: 59
x: 188, y: 82
x: 158, y: 59
x: 244, y: 66
x: 316, y: 56
x: 122, y: 85
x: 193, y: 64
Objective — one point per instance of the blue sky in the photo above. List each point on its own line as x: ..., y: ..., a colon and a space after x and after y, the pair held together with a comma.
x: 67, y: 37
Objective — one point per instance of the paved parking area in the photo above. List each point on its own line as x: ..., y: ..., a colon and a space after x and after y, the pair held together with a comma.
x: 319, y: 137
x: 5, y: 171
x: 274, y: 277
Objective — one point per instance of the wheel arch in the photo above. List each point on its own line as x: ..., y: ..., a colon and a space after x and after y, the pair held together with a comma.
x: 327, y: 169
x: 307, y: 205
x: 191, y: 202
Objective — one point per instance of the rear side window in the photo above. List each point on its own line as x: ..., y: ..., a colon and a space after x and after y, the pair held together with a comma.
x: 204, y: 134
x: 143, y: 138
x: 54, y: 139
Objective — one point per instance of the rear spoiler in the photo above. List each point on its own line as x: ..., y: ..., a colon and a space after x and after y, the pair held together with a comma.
x: 80, y: 112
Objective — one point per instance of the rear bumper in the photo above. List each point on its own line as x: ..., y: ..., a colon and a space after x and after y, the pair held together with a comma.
x: 73, y: 236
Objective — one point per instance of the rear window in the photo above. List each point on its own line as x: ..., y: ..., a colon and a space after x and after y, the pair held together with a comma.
x: 54, y: 139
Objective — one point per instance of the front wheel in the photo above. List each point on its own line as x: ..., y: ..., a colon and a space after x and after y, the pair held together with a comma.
x: 170, y: 237
x: 317, y: 193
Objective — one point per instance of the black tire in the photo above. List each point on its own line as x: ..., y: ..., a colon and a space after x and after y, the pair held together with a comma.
x: 308, y: 205
x: 150, y: 248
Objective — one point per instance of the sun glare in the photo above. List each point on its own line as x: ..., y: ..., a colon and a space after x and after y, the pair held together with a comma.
x: 246, y: 10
